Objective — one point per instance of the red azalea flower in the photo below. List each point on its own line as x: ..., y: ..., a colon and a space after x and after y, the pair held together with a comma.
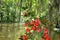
x: 37, y: 20
x: 46, y: 36
x: 45, y: 31
x: 32, y: 22
x: 27, y: 30
x: 24, y: 37
x: 50, y: 38
x: 38, y: 29
x: 26, y: 24
x: 32, y: 28
x: 36, y: 24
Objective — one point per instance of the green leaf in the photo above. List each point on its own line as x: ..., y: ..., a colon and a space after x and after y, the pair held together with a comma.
x: 43, y: 14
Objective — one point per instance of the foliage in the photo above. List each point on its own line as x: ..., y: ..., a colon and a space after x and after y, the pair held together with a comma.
x: 47, y: 11
x: 9, y: 11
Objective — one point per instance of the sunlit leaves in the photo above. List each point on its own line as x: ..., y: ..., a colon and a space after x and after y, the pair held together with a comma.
x: 43, y: 14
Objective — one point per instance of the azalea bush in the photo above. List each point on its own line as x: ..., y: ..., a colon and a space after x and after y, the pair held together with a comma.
x: 34, y: 31
x: 35, y: 28
x: 39, y: 20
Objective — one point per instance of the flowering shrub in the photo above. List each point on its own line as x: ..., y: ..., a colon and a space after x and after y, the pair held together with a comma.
x: 35, y: 30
